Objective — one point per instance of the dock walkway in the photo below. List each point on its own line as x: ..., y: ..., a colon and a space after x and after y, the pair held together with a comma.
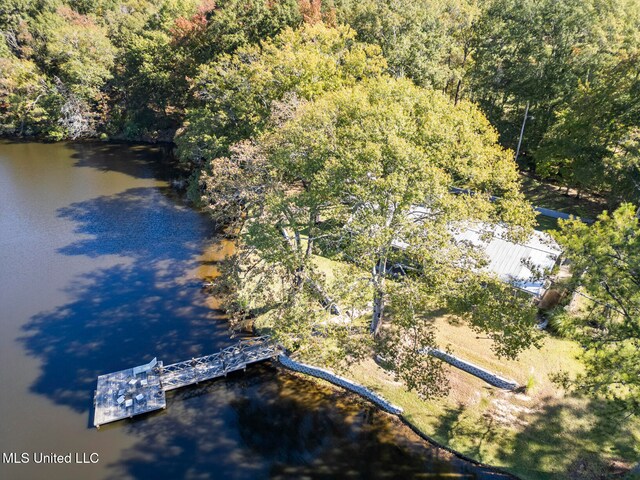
x: 141, y: 389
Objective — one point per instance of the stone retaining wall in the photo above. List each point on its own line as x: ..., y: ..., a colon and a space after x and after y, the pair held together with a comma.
x: 339, y: 381
x: 468, y: 367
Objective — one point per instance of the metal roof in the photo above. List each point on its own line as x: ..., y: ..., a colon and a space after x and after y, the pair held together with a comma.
x: 525, y: 265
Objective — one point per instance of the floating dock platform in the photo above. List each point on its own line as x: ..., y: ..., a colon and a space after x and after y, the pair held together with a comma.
x: 141, y: 389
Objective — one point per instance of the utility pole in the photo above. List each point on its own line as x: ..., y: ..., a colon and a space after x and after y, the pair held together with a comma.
x: 524, y: 122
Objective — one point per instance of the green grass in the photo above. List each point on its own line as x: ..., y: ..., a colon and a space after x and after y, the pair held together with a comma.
x: 547, y: 195
x: 543, y: 434
x: 545, y: 224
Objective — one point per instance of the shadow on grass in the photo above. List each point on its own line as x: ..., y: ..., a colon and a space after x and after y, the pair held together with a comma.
x: 448, y: 422
x: 574, y: 439
x: 547, y: 195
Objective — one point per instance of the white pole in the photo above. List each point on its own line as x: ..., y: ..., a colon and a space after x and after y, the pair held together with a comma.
x: 524, y: 121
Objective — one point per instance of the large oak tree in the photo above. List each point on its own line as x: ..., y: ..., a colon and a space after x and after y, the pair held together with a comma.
x: 340, y: 177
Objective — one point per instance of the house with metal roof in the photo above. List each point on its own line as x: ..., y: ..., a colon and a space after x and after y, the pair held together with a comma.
x: 524, y: 265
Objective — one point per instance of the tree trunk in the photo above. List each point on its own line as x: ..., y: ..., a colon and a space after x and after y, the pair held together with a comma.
x: 313, y: 219
x: 325, y: 299
x: 376, y: 318
x: 455, y: 102
x: 301, y: 277
x: 464, y: 62
x: 378, y: 296
x: 378, y: 274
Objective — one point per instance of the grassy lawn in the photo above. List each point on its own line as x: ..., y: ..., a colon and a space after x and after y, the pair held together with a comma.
x: 539, y: 434
x: 544, y: 223
x: 548, y: 195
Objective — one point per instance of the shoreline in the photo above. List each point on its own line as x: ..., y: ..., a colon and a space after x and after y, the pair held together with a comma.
x: 401, y: 419
x: 93, y: 139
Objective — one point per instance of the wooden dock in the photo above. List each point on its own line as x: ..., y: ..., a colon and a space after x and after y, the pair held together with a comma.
x: 127, y: 393
x: 141, y: 389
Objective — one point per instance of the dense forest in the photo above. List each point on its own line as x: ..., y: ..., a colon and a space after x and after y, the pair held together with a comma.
x: 315, y: 129
x: 153, y: 71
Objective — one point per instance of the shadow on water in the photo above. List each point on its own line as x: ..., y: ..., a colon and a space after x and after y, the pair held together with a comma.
x: 265, y: 424
x: 137, y: 161
x: 141, y: 223
x: 126, y: 313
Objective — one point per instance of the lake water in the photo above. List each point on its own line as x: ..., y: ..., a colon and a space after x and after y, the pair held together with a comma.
x: 100, y: 267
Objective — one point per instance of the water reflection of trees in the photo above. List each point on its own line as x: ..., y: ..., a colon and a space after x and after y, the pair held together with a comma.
x: 137, y: 161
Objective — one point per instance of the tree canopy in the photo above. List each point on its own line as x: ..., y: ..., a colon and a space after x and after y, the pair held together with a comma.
x: 147, y: 70
x: 235, y: 93
x: 594, y: 142
x: 556, y: 56
x: 605, y: 258
x: 339, y: 177
x: 121, y: 68
x: 327, y: 136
